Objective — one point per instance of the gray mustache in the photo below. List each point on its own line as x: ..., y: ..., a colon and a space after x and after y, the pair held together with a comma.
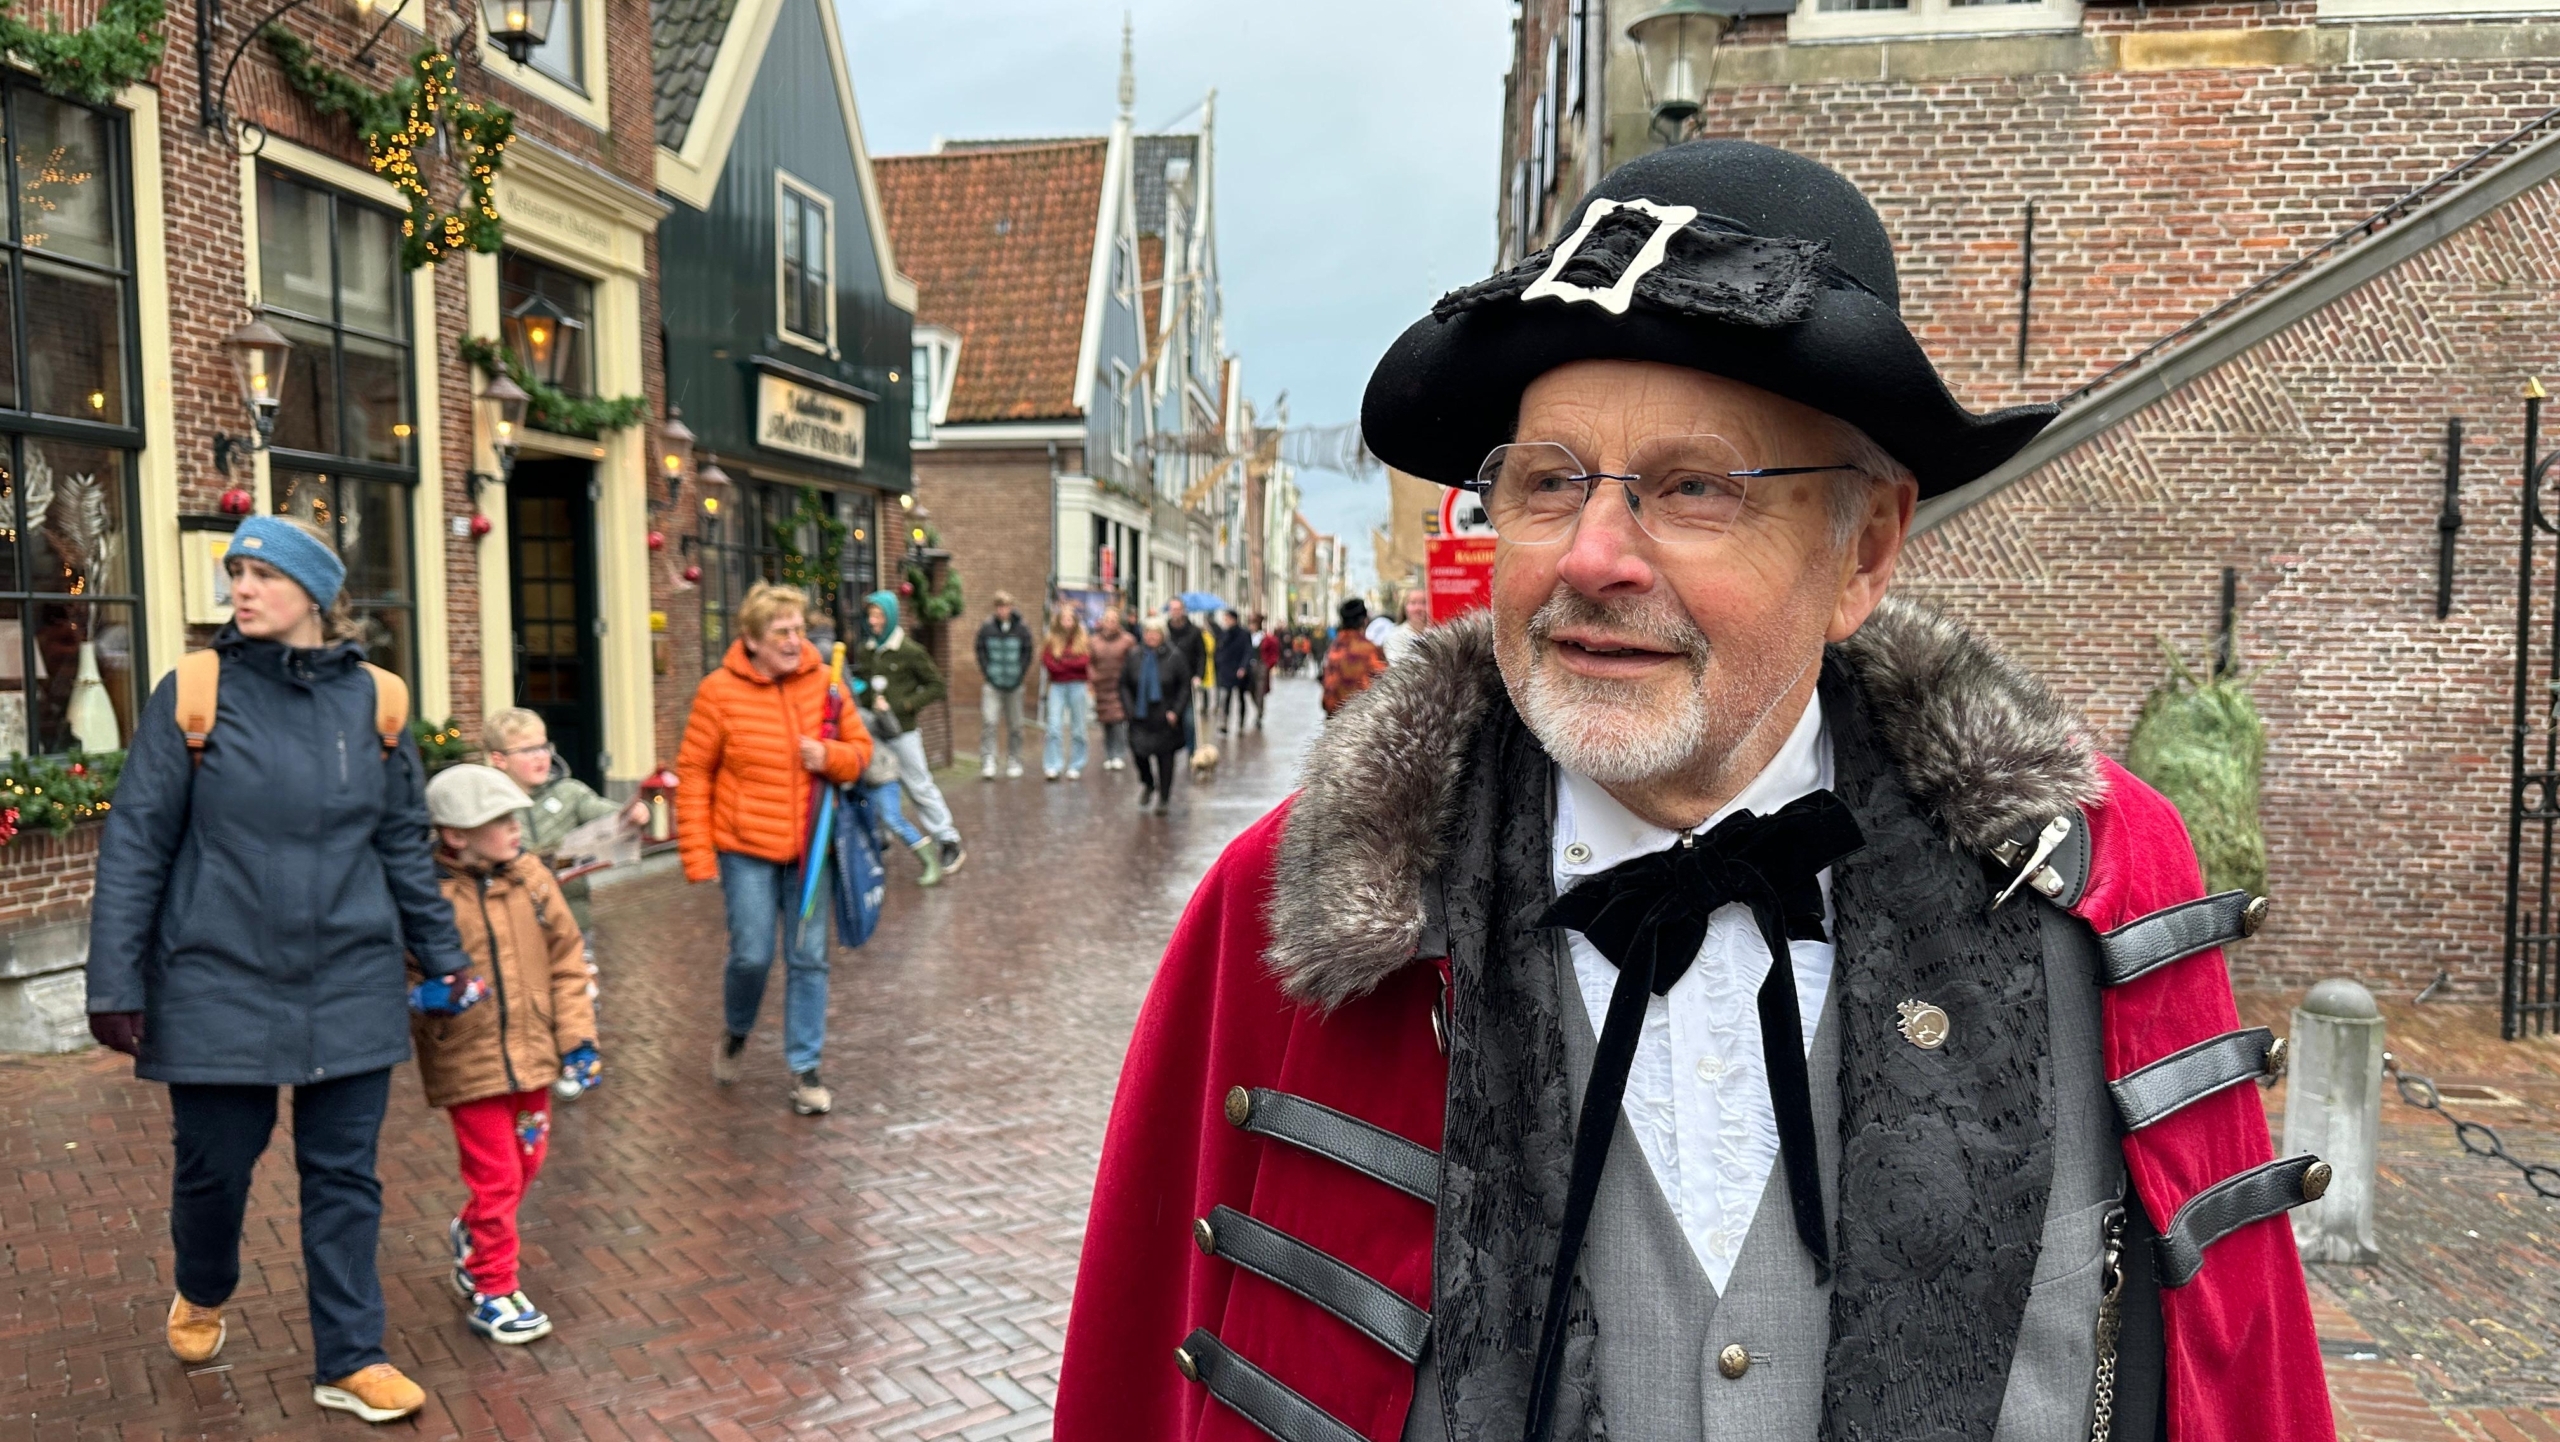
x: 1648, y: 621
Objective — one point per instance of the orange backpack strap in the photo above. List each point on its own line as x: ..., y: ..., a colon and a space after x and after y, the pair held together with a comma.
x: 199, y: 678
x: 390, y: 706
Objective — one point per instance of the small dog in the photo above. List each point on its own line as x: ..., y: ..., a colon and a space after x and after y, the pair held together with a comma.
x: 1204, y: 762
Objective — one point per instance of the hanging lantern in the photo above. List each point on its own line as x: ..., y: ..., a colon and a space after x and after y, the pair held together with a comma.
x: 518, y: 27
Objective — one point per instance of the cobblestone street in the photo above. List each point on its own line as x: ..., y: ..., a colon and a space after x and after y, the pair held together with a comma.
x: 720, y: 1268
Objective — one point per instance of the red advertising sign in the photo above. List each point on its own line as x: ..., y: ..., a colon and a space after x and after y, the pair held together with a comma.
x: 1461, y: 575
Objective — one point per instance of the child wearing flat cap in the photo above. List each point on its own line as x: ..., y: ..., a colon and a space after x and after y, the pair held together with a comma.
x: 491, y: 1067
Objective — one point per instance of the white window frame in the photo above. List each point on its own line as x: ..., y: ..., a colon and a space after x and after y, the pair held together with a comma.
x: 1125, y: 396
x: 786, y: 184
x: 942, y: 362
x: 1931, y: 19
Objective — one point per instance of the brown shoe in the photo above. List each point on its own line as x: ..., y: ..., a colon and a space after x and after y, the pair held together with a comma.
x: 195, y: 1333
x: 379, y: 1393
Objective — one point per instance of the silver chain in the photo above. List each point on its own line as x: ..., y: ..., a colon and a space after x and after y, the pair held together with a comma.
x: 2102, y: 1408
x: 2477, y: 1138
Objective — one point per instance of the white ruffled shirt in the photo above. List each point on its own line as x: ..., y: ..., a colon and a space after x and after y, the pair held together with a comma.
x: 1698, y: 1094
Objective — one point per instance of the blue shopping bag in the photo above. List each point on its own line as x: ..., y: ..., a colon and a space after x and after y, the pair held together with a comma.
x: 860, y: 880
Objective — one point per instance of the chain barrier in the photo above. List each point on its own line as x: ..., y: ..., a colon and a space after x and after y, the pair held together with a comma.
x: 2477, y: 1138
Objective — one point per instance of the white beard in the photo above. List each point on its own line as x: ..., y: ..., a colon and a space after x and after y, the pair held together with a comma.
x: 1608, y: 731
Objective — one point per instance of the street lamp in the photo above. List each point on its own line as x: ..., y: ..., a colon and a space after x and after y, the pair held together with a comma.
x: 544, y: 338
x: 501, y: 405
x: 258, y: 351
x: 1676, y: 47
x: 518, y: 26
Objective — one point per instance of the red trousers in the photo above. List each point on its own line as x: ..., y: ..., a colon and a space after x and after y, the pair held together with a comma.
x: 502, y: 1140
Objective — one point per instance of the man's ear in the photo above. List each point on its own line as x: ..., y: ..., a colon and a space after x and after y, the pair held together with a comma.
x: 1867, y: 562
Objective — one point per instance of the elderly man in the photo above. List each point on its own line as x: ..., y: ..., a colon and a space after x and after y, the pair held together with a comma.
x: 1712, y: 999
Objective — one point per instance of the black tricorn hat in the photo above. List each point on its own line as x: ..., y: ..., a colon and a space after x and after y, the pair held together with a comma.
x: 1719, y: 255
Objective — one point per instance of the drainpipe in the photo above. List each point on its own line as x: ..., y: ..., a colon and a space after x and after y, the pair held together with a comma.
x: 1053, y: 525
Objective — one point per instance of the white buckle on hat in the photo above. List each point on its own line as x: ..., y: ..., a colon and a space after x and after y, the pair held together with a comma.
x: 1666, y: 219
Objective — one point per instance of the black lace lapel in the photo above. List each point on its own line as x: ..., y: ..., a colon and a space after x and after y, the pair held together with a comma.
x: 1946, y: 1155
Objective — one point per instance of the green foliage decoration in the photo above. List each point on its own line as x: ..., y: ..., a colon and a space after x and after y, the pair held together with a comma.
x: 551, y: 408
x: 93, y: 63
x: 441, y: 743
x: 394, y: 123
x: 819, y: 571
x: 55, y: 793
x: 934, y: 603
x: 2200, y: 742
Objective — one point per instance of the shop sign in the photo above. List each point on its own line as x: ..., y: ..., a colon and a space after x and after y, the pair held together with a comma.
x: 806, y: 421
x: 1460, y: 557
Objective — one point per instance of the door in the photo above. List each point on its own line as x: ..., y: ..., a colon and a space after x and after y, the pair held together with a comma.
x: 551, y: 541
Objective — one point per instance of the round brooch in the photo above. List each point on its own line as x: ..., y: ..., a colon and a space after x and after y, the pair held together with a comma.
x: 1923, y: 1024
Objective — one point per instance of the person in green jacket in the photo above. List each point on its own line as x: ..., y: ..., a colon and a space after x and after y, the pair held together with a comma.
x: 519, y: 744
x: 900, y: 680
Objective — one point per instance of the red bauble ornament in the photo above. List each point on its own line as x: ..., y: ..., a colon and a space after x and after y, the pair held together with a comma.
x: 480, y: 525
x: 657, y: 540
x: 79, y: 768
x: 906, y: 588
x: 692, y: 575
x: 237, y: 502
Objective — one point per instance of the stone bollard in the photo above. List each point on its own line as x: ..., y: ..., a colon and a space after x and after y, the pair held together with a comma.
x: 2333, y: 1107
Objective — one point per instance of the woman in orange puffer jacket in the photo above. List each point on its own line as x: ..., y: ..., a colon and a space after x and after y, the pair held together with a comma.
x: 742, y: 815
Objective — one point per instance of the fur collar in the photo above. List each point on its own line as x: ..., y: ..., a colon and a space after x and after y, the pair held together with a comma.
x: 1980, y: 743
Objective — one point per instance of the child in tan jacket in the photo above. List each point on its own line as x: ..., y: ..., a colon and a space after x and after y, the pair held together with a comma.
x: 491, y: 1067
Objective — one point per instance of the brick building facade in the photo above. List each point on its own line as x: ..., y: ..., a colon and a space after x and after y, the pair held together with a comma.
x: 2173, y: 155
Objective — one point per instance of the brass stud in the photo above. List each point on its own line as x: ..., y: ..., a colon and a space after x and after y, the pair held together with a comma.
x: 1733, y: 1361
x: 2253, y: 916
x: 1188, y: 1365
x: 1205, y: 1236
x: 2315, y: 1181
x: 1239, y: 1106
x: 2279, y: 1056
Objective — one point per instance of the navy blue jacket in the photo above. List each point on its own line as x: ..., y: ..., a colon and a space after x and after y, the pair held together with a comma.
x: 255, y: 909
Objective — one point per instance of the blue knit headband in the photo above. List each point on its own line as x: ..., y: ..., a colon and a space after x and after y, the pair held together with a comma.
x: 290, y: 549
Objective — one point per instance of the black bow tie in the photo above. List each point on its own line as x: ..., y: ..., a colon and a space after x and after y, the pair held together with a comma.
x: 1649, y: 916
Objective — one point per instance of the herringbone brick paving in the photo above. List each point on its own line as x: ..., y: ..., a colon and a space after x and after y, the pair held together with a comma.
x: 722, y: 1269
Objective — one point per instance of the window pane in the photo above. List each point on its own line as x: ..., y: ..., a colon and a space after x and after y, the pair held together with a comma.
x: 66, y: 189
x: 792, y: 206
x: 308, y: 418
x: 75, y: 343
x: 814, y: 252
x: 293, y: 246
x: 369, y: 273
x: 79, y: 540
x: 10, y: 571
x: 8, y: 338
x: 561, y: 55
x: 377, y: 400
x: 373, y: 536
x: 84, y: 682
x: 389, y: 638
x: 305, y: 495
x: 13, y: 680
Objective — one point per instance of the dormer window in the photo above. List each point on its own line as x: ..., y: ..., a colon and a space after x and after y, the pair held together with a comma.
x: 805, y: 244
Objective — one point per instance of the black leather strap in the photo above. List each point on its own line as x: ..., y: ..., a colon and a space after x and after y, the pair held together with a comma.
x: 2174, y: 932
x: 2233, y: 1203
x: 1371, y: 1151
x: 1369, y: 1305
x: 1256, y: 1395
x: 2183, y: 1078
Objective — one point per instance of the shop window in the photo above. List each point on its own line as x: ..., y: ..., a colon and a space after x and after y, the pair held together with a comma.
x: 860, y: 511
x: 805, y: 220
x: 330, y: 277
x: 744, y: 544
x: 369, y: 520
x: 549, y: 316
x: 70, y: 593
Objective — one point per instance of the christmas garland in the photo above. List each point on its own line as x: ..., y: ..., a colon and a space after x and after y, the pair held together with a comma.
x: 394, y: 123
x: 551, y: 408
x: 817, y: 574
x: 55, y: 793
x: 119, y: 48
x: 441, y: 744
x: 933, y: 604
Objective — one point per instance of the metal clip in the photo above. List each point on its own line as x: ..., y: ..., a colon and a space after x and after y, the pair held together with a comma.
x: 2054, y: 833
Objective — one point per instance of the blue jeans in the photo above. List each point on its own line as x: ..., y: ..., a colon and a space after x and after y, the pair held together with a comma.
x: 761, y: 893
x: 886, y: 805
x: 1069, y: 709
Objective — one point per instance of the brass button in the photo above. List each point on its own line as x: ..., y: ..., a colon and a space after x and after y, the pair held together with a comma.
x: 1189, y: 1366
x: 2253, y: 916
x: 2279, y: 1054
x: 1205, y: 1235
x: 1733, y: 1361
x: 1239, y: 1106
x: 2315, y: 1181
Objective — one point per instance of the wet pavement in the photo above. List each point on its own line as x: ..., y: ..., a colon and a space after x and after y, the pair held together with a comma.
x: 719, y: 1268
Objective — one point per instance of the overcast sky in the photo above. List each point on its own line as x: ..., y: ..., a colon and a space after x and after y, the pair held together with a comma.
x: 1356, y: 144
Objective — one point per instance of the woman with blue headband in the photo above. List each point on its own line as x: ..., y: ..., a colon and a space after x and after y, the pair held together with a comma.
x: 264, y: 870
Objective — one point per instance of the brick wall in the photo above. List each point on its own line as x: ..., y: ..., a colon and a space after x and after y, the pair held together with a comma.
x: 2314, y: 464
x: 992, y: 510
x: 44, y: 880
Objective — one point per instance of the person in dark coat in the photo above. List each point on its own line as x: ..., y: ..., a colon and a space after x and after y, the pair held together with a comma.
x: 1155, y: 689
x: 1234, y: 652
x: 248, y: 933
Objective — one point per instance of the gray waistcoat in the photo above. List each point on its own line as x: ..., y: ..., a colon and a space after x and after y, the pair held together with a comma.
x: 1662, y: 1324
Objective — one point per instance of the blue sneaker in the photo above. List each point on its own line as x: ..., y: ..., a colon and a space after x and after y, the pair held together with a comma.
x: 510, y: 1319
x: 458, y: 1237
